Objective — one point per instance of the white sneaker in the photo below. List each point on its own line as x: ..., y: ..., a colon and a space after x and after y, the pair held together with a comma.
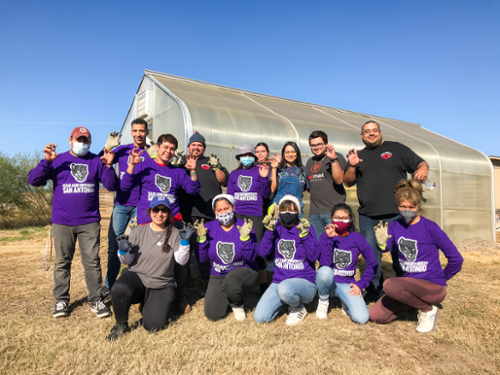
x: 427, y: 320
x: 239, y: 313
x: 322, y: 310
x: 296, y: 315
x: 100, y: 309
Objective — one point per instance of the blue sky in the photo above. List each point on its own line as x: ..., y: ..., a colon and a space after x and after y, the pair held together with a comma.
x: 70, y: 63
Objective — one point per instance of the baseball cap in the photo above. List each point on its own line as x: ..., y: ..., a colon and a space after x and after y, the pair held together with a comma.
x: 156, y: 201
x: 80, y: 131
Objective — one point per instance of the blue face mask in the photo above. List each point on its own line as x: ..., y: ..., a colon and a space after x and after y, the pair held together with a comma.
x: 247, y: 160
x: 80, y: 149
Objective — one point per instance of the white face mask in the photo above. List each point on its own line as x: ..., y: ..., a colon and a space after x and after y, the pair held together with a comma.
x: 80, y: 149
x: 226, y: 218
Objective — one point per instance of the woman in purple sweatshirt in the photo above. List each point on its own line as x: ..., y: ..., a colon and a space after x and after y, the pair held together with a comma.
x: 231, y: 246
x: 418, y: 240
x: 249, y: 184
x: 340, y: 248
x: 295, y: 248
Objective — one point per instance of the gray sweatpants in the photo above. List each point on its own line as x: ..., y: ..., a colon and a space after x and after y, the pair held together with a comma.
x: 65, y: 237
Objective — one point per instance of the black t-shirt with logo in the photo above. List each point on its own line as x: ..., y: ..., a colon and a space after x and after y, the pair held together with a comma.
x: 200, y: 205
x: 382, y: 167
x: 325, y: 193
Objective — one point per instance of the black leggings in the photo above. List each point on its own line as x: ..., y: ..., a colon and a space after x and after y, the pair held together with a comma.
x: 224, y: 291
x: 129, y: 289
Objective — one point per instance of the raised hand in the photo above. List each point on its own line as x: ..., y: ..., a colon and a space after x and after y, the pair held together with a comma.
x: 245, y: 229
x: 303, y: 227
x: 50, y: 152
x: 201, y: 231
x: 107, y: 157
x: 113, y: 140
x: 274, y: 211
x: 330, y: 230
x: 214, y: 162
x: 269, y: 223
x: 133, y: 222
x: 135, y: 156
x: 177, y: 159
x: 152, y: 150
x: 330, y: 151
x: 123, y: 244
x: 263, y: 170
x: 190, y: 162
x: 353, y: 158
x: 381, y: 234
x: 275, y: 160
x: 187, y: 231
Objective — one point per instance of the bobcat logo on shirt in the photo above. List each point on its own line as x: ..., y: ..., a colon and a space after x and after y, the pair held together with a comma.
x: 342, y: 258
x: 79, y: 171
x: 287, y: 248
x: 316, y: 167
x: 163, y: 183
x: 386, y: 155
x: 244, y: 182
x: 408, y: 248
x: 225, y: 251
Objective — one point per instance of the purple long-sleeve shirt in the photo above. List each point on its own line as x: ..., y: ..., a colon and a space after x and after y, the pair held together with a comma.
x: 122, y: 158
x: 226, y: 250
x: 419, y: 245
x: 158, y: 180
x: 294, y: 257
x: 76, y: 186
x: 249, y: 190
x: 341, y: 254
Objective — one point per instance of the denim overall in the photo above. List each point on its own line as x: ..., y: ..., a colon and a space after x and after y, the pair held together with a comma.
x: 290, y: 185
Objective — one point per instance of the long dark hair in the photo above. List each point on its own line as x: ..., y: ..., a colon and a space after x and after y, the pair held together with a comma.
x: 346, y: 208
x: 297, y: 150
x: 168, y: 230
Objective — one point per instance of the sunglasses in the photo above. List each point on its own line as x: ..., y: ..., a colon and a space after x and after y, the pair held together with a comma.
x: 158, y: 209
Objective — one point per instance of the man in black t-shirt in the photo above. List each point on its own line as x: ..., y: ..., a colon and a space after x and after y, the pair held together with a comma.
x: 375, y: 170
x: 325, y: 175
x: 212, y: 176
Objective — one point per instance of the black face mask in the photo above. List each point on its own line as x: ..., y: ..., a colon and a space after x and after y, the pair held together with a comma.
x: 288, y: 219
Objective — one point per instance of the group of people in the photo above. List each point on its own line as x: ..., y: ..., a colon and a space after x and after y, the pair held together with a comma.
x: 177, y: 206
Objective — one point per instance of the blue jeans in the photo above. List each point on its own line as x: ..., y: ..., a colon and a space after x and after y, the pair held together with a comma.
x: 117, y: 225
x: 319, y: 222
x: 356, y: 307
x: 366, y: 224
x: 291, y: 292
x: 290, y: 185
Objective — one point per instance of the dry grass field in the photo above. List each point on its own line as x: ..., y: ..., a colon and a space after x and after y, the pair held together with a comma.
x: 466, y: 341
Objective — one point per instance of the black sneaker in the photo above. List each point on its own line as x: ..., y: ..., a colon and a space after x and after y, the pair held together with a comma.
x: 100, y: 309
x: 61, y: 310
x: 105, y: 294
x: 117, y: 331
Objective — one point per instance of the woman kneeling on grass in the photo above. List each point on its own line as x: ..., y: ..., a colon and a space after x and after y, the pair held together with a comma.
x: 418, y: 240
x: 340, y: 248
x: 231, y: 246
x: 295, y: 248
x: 150, y: 253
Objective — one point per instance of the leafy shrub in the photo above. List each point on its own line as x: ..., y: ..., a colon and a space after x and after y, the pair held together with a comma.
x: 20, y: 203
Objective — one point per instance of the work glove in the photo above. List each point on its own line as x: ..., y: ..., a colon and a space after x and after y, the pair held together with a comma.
x: 113, y: 140
x: 214, y: 162
x: 177, y: 159
x: 381, y: 234
x: 123, y: 244
x: 269, y: 223
x: 186, y: 232
x: 274, y: 211
x: 133, y: 222
x: 245, y: 229
x: 201, y: 231
x: 152, y: 151
x: 303, y: 227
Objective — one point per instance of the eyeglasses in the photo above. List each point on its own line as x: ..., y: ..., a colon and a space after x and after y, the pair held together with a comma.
x: 315, y: 147
x: 290, y: 152
x: 158, y: 209
x: 368, y: 131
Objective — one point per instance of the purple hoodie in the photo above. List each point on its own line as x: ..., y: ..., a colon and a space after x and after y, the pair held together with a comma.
x: 158, y: 180
x: 225, y: 249
x: 341, y: 254
x: 419, y: 245
x: 76, y: 186
x: 294, y: 257
x: 249, y: 189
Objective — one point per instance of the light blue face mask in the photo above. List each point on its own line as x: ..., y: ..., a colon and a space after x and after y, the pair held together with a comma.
x: 247, y: 160
x: 80, y: 149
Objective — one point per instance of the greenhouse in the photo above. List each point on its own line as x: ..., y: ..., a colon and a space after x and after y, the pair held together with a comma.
x: 462, y: 202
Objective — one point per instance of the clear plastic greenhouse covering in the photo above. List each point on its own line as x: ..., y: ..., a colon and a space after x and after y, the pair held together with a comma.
x: 462, y: 202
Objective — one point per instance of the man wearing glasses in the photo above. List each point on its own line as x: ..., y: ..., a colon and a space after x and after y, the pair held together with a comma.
x: 375, y: 170
x: 325, y: 175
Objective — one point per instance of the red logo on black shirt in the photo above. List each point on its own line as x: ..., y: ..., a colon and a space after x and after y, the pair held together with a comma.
x: 316, y: 167
x: 205, y: 167
x: 386, y: 155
